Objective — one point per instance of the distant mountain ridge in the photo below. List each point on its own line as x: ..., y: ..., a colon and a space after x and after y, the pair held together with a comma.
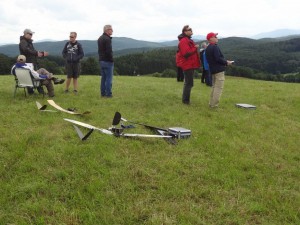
x: 277, y: 34
x: 125, y: 45
x: 89, y: 46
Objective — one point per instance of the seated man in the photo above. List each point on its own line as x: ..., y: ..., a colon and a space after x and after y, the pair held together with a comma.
x: 40, y: 73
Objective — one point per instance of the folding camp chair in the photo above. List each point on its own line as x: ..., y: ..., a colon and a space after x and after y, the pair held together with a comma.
x: 24, y: 79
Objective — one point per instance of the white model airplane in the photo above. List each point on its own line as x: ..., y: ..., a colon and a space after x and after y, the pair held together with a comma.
x: 52, y: 103
x: 167, y: 134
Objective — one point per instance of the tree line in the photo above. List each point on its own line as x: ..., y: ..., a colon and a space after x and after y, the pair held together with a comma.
x: 276, y: 62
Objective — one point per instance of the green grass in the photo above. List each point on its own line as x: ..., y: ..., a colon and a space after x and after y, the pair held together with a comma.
x: 239, y: 167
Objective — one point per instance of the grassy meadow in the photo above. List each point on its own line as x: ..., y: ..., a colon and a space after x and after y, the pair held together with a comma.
x: 239, y: 166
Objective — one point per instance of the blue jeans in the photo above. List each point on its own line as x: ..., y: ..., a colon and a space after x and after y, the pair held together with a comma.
x: 107, y: 69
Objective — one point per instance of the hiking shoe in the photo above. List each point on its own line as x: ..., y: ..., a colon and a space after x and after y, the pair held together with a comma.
x: 75, y: 92
x: 59, y: 81
x: 66, y: 91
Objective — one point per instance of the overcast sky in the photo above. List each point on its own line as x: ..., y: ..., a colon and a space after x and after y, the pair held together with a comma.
x: 151, y: 20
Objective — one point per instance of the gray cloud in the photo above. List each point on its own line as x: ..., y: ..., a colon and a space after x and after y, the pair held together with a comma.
x: 147, y: 20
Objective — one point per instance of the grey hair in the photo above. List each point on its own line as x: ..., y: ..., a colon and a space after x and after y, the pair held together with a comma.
x: 107, y: 27
x: 73, y: 32
x: 203, y: 44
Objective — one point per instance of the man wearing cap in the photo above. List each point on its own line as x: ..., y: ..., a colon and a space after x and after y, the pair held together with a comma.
x: 39, y: 74
x: 217, y: 66
x: 187, y: 57
x: 26, y: 48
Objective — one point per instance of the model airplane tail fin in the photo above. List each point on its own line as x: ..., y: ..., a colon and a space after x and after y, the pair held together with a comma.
x: 40, y: 107
x: 117, y: 118
x: 81, y: 135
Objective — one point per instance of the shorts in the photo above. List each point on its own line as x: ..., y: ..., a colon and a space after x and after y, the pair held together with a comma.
x: 73, y: 70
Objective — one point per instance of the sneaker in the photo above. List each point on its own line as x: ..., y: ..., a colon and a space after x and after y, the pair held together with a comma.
x: 59, y: 81
x: 75, y: 92
x: 66, y: 91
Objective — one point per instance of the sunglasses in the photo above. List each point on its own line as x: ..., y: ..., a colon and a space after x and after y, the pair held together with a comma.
x: 72, y: 37
x: 30, y: 34
x: 189, y: 29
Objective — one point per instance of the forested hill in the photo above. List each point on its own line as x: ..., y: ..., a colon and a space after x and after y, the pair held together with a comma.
x: 268, y: 59
x: 129, y: 45
x: 267, y: 55
x: 90, y: 46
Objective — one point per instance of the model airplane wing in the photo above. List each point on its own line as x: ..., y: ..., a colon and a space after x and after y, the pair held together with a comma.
x: 145, y: 135
x: 145, y: 125
x: 89, y: 126
x: 52, y: 103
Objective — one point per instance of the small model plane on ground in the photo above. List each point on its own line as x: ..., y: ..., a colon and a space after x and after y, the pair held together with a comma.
x: 52, y: 103
x: 169, y: 134
x: 70, y: 111
x: 245, y: 106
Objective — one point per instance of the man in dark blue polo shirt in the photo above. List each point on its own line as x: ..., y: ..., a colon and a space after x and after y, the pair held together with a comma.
x: 217, y: 66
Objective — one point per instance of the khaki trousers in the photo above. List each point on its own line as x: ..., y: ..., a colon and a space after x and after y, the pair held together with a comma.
x: 217, y: 88
x: 47, y: 82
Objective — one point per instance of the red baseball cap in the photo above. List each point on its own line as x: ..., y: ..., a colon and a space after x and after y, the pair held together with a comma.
x: 210, y: 35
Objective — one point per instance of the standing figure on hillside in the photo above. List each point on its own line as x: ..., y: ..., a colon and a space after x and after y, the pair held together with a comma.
x: 106, y: 61
x: 217, y: 65
x: 188, y: 59
x: 72, y: 53
x: 27, y: 49
x: 206, y: 76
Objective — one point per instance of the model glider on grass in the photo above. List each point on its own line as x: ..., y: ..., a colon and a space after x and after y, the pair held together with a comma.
x: 167, y: 134
x: 70, y: 110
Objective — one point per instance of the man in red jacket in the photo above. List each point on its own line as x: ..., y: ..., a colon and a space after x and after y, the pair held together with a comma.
x: 187, y: 58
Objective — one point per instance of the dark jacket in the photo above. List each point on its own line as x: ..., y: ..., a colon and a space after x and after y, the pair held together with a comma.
x: 215, y: 59
x: 187, y: 56
x: 105, y: 48
x: 26, y: 48
x: 73, y: 52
